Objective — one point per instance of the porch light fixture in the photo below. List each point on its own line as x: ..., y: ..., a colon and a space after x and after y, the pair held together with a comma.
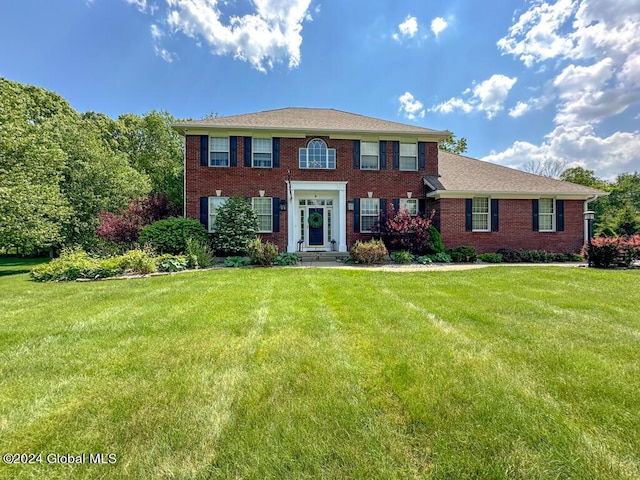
x: 350, y: 206
x: 283, y: 205
x: 218, y: 193
x: 261, y: 192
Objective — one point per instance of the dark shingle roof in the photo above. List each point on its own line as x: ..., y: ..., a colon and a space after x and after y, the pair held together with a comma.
x: 312, y: 119
x: 464, y: 174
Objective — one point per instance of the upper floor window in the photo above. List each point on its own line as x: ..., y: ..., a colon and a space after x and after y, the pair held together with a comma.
x: 480, y: 214
x: 369, y: 156
x: 409, y: 204
x: 218, y: 151
x: 408, y: 156
x: 546, y: 215
x: 262, y: 153
x: 317, y: 155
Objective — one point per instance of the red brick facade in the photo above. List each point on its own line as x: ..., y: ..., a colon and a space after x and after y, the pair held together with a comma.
x: 515, y: 218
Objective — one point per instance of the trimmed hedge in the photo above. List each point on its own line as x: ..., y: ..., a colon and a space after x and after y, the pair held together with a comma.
x: 368, y: 253
x: 172, y: 235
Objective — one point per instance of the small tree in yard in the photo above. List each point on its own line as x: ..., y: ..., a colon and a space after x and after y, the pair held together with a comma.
x: 401, y: 231
x: 236, y: 226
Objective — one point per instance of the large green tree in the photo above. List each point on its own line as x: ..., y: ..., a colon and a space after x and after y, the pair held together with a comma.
x: 451, y: 145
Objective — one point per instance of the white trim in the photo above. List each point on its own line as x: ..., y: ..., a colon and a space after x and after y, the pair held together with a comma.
x: 297, y: 189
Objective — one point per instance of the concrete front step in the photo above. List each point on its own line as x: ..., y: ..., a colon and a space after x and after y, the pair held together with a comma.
x: 322, y: 256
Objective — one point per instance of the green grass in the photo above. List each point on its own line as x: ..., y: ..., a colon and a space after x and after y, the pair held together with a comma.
x: 16, y: 265
x: 502, y: 372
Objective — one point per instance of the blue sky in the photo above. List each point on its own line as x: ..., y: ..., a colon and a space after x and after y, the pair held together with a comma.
x: 523, y: 80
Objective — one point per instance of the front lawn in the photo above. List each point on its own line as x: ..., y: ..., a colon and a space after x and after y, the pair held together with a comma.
x: 503, y: 372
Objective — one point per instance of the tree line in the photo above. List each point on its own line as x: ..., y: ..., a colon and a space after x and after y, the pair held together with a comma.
x: 59, y: 168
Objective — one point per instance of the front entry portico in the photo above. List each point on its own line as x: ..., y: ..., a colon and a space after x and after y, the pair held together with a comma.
x: 316, y: 216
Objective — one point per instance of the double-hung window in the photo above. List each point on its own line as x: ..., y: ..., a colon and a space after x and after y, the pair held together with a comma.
x: 369, y: 156
x: 546, y: 215
x: 480, y: 214
x: 263, y: 208
x: 218, y: 151
x: 409, y: 204
x: 409, y: 156
x: 214, y: 204
x: 317, y: 155
x: 369, y: 213
x: 262, y: 153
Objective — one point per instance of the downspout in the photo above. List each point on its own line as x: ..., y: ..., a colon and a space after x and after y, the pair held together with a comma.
x: 184, y: 176
x: 584, y: 221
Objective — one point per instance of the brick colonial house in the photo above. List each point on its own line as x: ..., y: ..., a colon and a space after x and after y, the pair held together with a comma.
x: 318, y: 180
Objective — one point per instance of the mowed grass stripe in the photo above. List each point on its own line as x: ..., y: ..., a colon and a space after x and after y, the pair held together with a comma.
x: 311, y: 373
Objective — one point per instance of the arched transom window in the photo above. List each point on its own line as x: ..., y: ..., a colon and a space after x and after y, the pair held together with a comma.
x: 317, y: 155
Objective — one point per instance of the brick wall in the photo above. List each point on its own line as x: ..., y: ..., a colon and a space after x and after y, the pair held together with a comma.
x: 245, y: 182
x: 516, y: 228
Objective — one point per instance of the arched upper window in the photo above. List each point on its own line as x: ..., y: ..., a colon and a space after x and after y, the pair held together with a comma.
x: 317, y: 155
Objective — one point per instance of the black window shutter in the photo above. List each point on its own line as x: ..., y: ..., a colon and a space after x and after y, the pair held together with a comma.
x: 534, y: 208
x: 422, y: 206
x: 204, y: 212
x: 560, y: 215
x: 356, y: 214
x: 247, y: 151
x: 356, y: 157
x: 276, y: 214
x: 383, y: 208
x: 383, y: 155
x: 422, y: 155
x: 396, y: 205
x: 204, y: 150
x: 396, y: 155
x: 494, y: 215
x: 233, y: 151
x: 468, y: 214
x: 276, y: 153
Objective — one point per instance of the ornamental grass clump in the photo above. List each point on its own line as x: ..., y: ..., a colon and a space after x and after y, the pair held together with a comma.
x: 368, y: 253
x: 402, y: 257
x: 262, y: 253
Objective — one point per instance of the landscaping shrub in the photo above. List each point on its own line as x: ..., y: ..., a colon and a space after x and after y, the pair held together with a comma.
x: 402, y: 257
x: 171, y: 235
x: 198, y: 254
x: 236, y: 262
x: 607, y: 252
x: 440, y: 257
x: 284, y: 259
x: 462, y: 254
x: 368, y: 253
x: 537, y: 256
x: 509, y: 255
x: 73, y: 263
x: 401, y: 231
x: 137, y: 261
x: 490, y: 257
x: 262, y: 253
x: 236, y: 226
x: 171, y: 263
x: 437, y: 246
x: 423, y: 259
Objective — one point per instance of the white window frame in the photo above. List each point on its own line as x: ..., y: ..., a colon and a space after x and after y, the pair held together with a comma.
x: 404, y: 202
x: 364, y: 202
x: 478, y: 211
x: 327, y: 163
x: 214, y: 204
x: 414, y: 156
x: 262, y: 215
x: 377, y: 155
x: 551, y: 214
x: 211, y: 151
x: 254, y: 151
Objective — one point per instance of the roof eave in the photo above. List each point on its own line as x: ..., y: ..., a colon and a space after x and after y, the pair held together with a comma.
x: 514, y: 194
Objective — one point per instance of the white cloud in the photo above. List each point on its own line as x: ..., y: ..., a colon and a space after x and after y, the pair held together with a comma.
x: 488, y: 96
x: 408, y: 28
x: 520, y: 109
x: 271, y: 34
x: 438, y: 25
x: 410, y: 107
x: 577, y: 146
